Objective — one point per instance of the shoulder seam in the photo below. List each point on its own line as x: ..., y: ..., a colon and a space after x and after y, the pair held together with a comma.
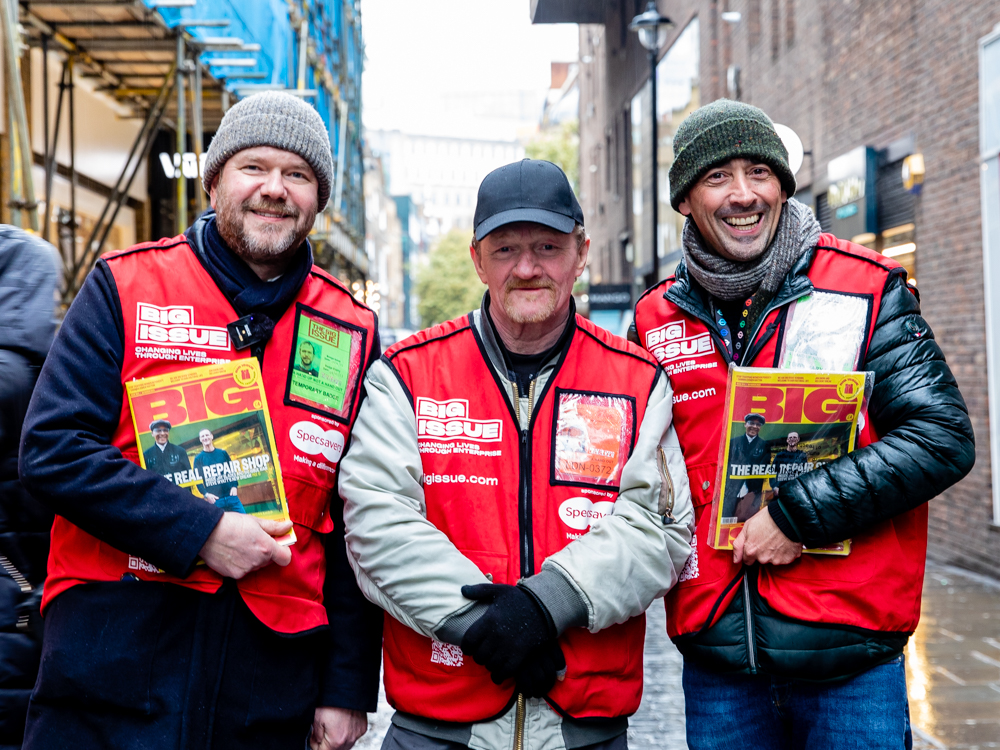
x: 323, y: 276
x: 862, y: 258
x: 418, y: 344
x: 143, y: 248
x: 607, y: 346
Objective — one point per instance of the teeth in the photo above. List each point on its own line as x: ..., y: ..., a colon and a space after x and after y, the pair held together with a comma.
x: 742, y: 221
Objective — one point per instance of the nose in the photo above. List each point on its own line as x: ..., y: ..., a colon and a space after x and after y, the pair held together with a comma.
x: 526, y: 266
x: 741, y: 191
x: 274, y: 185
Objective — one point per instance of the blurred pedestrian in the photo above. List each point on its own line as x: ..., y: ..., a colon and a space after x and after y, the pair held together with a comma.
x: 144, y: 646
x: 28, y: 271
x: 785, y: 650
x: 515, y: 498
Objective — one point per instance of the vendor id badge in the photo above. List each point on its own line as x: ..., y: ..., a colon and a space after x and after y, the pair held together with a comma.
x: 324, y: 373
x: 592, y: 438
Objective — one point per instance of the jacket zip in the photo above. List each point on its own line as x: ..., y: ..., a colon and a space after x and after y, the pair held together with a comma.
x: 524, y: 524
x: 22, y: 583
x: 524, y: 496
x: 519, y: 723
x: 751, y: 646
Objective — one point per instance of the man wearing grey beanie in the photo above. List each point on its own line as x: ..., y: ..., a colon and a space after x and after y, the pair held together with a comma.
x: 784, y: 649
x: 170, y: 622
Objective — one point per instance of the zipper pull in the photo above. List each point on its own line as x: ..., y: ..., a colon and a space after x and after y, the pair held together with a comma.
x: 666, y: 504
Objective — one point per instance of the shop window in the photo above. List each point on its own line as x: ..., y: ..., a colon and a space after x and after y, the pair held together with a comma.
x: 899, y: 243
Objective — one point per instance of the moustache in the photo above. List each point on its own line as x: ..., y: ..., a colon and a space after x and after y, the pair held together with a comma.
x: 519, y: 284
x: 756, y: 208
x: 282, y: 209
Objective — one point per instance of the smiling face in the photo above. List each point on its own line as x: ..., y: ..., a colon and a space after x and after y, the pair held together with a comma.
x: 161, y: 435
x: 530, y: 270
x: 752, y: 427
x: 266, y: 201
x: 792, y: 440
x: 736, y: 207
x: 206, y: 437
x: 306, y: 354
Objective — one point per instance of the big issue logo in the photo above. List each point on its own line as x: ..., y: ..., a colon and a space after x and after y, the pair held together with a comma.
x: 669, y: 342
x: 449, y: 420
x: 579, y: 512
x: 311, y: 439
x: 173, y: 325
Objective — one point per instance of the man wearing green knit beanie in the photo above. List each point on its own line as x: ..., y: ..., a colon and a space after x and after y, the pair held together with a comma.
x: 784, y: 649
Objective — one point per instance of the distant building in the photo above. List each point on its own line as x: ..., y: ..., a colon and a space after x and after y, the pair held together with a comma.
x: 383, y: 243
x: 441, y: 175
x: 877, y: 92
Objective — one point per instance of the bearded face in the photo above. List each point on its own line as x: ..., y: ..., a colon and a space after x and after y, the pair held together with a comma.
x: 265, y: 201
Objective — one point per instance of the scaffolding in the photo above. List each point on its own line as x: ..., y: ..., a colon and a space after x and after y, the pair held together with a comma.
x: 178, y: 65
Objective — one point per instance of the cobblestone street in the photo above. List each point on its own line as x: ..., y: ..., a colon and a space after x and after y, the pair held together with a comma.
x: 952, y: 661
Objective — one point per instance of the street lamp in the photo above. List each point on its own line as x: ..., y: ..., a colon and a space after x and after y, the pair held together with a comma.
x: 652, y: 29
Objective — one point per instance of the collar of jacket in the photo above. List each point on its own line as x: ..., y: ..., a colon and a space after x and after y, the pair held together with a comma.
x: 494, y: 356
x: 687, y: 294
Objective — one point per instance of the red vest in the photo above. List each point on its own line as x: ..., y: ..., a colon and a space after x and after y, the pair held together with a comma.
x: 174, y: 318
x: 507, y: 501
x: 878, y: 585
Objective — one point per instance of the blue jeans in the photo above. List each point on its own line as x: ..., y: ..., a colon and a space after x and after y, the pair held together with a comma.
x: 867, y: 712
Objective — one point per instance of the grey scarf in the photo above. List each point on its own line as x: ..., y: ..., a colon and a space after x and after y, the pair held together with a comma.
x: 798, y: 231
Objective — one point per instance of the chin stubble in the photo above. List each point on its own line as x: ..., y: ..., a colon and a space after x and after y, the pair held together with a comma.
x: 269, y: 242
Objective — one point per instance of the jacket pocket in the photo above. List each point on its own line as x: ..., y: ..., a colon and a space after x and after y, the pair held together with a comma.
x: 99, y: 648
x: 308, y: 504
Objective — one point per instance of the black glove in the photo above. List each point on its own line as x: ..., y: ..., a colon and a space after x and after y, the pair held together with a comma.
x: 514, y: 624
x: 540, y: 669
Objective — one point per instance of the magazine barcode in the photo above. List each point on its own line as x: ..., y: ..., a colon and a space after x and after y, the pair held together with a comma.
x: 730, y: 519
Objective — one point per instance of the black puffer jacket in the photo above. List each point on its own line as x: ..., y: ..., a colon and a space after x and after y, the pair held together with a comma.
x: 28, y: 269
x: 927, y: 445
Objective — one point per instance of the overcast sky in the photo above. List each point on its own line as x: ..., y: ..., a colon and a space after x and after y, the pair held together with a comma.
x: 461, y: 68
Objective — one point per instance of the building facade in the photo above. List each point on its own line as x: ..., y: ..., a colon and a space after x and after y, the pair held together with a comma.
x: 897, y: 106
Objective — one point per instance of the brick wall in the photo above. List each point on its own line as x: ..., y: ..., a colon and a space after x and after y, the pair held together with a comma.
x: 846, y: 73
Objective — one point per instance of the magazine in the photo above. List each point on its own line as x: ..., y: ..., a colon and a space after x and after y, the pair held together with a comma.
x: 208, y: 429
x: 780, y: 425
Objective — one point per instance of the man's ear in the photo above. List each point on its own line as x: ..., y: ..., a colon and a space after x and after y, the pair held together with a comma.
x: 685, y: 209
x: 476, y: 261
x: 784, y: 197
x: 583, y: 253
x: 212, y: 190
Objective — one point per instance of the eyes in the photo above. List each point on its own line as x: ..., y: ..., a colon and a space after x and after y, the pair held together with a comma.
x: 547, y: 247
x: 257, y: 170
x: 756, y: 172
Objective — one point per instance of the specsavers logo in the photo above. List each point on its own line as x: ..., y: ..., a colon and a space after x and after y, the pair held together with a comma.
x: 579, y: 512
x: 449, y: 420
x: 312, y: 439
x: 173, y: 325
x: 669, y: 342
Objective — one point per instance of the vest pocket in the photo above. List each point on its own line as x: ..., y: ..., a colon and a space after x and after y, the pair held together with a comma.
x: 308, y: 504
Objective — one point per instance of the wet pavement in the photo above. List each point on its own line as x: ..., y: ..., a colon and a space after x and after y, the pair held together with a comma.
x: 953, y: 661
x: 952, y: 668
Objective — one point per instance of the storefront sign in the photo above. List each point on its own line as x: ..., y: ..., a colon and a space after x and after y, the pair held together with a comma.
x: 610, y: 296
x: 851, y: 195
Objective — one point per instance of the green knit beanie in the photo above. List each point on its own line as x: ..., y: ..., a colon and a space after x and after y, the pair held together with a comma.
x: 718, y: 132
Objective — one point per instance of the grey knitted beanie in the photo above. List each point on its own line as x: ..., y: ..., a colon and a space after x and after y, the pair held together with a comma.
x: 273, y: 118
x: 718, y: 132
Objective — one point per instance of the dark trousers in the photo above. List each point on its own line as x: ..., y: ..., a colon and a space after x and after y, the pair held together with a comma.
x: 141, y: 665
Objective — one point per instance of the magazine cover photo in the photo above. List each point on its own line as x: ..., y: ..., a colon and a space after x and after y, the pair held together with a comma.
x: 779, y: 426
x: 208, y: 429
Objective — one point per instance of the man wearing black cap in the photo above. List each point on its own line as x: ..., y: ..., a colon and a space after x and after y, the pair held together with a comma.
x: 515, y: 497
x: 164, y: 457
x: 784, y: 649
x: 746, y: 450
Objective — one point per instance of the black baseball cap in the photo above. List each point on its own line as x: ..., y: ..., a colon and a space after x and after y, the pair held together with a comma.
x: 527, y: 190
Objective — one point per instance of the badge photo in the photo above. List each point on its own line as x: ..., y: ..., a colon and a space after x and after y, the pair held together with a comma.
x: 324, y: 370
x: 592, y: 437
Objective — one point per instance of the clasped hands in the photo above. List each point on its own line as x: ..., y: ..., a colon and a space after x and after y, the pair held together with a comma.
x: 515, y: 638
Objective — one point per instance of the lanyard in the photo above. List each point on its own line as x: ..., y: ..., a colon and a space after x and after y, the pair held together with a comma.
x: 734, y: 343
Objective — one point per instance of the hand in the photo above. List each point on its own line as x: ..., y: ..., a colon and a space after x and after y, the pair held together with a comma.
x: 761, y: 541
x: 234, y: 493
x: 337, y: 728
x: 540, y: 670
x: 513, y: 625
x: 211, y: 498
x: 243, y: 543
